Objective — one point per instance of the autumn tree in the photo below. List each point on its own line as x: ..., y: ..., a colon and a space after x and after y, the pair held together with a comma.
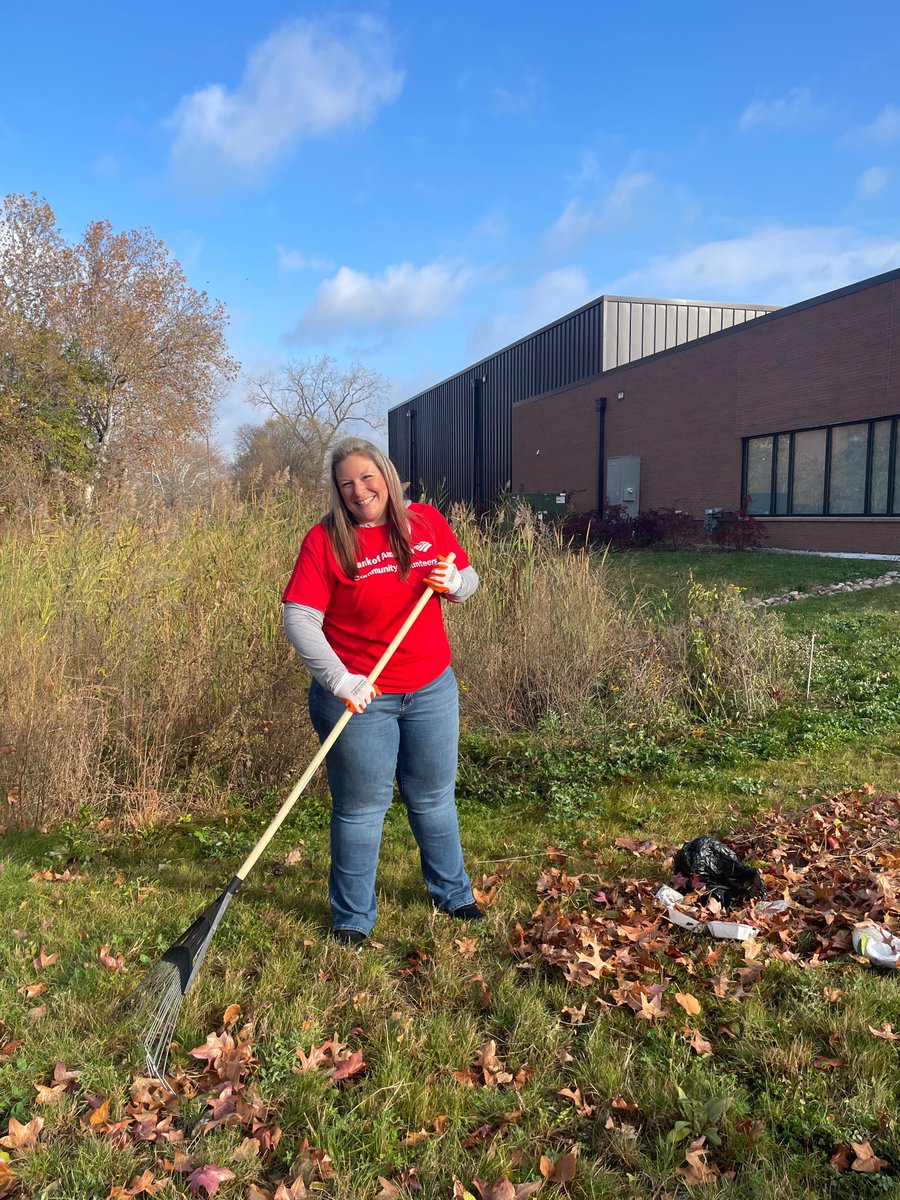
x: 316, y: 401
x: 158, y: 343
x: 151, y: 351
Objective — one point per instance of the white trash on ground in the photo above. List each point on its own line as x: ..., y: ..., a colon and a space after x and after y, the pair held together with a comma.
x: 878, y: 944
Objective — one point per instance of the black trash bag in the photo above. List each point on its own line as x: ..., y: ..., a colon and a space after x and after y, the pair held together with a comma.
x: 721, y: 871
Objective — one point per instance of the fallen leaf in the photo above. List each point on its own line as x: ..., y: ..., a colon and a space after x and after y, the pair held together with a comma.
x: 696, y: 1169
x: 866, y: 1160
x: 561, y: 1171
x: 22, y: 1137
x: 574, y: 1094
x: 111, y: 961
x: 689, y: 1003
x: 347, y: 1067
x: 208, y: 1178
x: 30, y: 990
x: 698, y: 1042
x: 886, y: 1031
x: 232, y: 1013
x: 466, y: 946
x: 44, y: 959
x: 246, y: 1151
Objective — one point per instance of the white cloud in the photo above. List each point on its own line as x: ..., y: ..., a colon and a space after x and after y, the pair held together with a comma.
x: 296, y: 260
x: 576, y: 222
x: 551, y: 296
x: 883, y: 131
x: 403, y: 296
x: 771, y: 266
x: 794, y: 109
x: 872, y: 181
x: 306, y: 79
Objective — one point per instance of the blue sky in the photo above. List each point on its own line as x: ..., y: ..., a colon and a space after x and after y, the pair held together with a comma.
x: 413, y: 187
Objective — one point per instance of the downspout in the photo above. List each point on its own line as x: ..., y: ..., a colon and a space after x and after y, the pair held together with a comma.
x: 477, y: 445
x: 600, y: 405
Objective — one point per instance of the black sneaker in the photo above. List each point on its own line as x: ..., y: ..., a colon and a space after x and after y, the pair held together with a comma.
x: 348, y: 937
x: 468, y: 912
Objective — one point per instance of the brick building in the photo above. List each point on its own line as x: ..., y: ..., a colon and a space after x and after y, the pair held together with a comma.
x: 798, y: 408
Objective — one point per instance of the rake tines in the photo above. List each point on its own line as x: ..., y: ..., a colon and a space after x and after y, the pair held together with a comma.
x: 158, y: 998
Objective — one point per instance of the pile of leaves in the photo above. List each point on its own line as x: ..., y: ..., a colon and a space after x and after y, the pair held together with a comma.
x: 153, y: 1116
x: 836, y: 862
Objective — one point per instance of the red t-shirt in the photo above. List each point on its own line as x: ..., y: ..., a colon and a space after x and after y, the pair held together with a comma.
x: 363, y: 614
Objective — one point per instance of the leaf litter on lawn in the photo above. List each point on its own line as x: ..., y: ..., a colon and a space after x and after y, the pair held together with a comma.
x: 836, y: 862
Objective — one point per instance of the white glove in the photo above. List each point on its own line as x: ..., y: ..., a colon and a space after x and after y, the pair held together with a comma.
x: 356, y: 691
x: 444, y: 577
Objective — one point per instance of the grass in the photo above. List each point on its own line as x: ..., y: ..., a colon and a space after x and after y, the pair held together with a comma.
x: 421, y: 1001
x: 762, y: 573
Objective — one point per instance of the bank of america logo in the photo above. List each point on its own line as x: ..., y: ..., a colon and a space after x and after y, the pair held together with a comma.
x: 421, y: 546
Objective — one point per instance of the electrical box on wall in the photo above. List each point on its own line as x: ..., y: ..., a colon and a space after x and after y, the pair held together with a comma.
x: 623, y: 483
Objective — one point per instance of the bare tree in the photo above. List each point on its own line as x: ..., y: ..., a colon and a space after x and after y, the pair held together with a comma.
x: 318, y: 401
x: 268, y: 452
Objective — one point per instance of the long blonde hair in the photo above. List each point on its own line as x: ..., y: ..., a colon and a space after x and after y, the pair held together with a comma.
x: 339, y: 522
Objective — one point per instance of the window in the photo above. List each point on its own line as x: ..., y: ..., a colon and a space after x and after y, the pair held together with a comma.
x: 847, y: 470
x: 849, y: 450
x: 809, y: 471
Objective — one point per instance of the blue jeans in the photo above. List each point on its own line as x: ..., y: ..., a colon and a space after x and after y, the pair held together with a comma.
x: 413, y: 736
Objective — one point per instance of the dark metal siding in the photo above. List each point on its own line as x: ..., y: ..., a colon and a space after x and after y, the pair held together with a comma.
x: 437, y: 448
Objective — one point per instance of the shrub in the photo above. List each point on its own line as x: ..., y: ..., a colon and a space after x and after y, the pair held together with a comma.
x: 739, y: 531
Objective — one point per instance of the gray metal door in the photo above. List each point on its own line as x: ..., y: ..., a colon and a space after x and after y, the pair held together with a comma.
x: 623, y: 483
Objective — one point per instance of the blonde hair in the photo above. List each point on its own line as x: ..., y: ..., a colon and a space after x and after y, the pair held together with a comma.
x: 339, y: 522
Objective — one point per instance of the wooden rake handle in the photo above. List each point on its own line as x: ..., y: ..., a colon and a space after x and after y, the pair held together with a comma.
x: 277, y: 821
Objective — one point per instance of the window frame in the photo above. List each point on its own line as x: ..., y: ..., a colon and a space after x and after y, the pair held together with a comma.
x: 893, y: 466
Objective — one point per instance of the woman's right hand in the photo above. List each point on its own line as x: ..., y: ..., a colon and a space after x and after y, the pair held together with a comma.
x: 356, y: 691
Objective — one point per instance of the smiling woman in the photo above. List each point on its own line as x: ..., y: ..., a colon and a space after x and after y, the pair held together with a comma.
x: 359, y: 574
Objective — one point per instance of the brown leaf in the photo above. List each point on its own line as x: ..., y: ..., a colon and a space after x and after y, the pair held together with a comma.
x: 698, y: 1042
x: 389, y: 1190
x: 561, y: 1171
x: 866, y: 1160
x: 574, y: 1094
x: 22, y: 1137
x: 231, y: 1014
x: 30, y: 990
x: 349, y: 1066
x: 886, y: 1031
x: 44, y: 959
x: 689, y: 1003
x: 840, y: 1160
x: 466, y: 946
x: 209, y: 1178
x: 111, y: 961
x: 696, y: 1169
x: 828, y: 1064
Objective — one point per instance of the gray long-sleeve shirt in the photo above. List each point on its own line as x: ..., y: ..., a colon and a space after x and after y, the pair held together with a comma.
x: 303, y: 626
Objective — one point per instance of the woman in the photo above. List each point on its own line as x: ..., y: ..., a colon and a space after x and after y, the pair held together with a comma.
x: 359, y: 573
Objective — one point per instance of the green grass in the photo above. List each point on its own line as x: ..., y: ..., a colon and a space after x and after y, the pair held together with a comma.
x: 419, y: 1001
x: 761, y: 572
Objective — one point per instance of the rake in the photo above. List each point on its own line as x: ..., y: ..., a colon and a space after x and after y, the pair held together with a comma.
x: 158, y: 998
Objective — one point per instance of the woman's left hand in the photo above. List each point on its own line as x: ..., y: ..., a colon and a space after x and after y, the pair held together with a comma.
x: 444, y: 577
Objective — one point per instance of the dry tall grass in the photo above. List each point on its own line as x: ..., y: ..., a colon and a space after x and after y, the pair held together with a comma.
x: 143, y: 668
x: 547, y: 635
